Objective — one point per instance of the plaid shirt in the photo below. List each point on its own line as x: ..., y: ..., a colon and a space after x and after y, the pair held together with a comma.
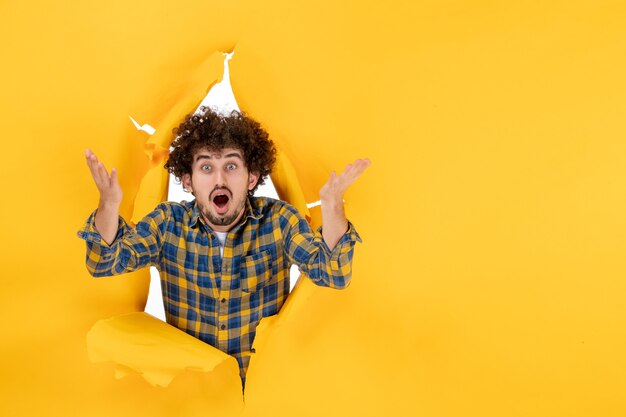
x: 221, y: 299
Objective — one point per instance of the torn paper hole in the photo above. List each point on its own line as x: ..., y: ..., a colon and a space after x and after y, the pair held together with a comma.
x: 221, y: 99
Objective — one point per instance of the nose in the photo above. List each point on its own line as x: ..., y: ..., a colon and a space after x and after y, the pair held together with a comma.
x: 220, y: 178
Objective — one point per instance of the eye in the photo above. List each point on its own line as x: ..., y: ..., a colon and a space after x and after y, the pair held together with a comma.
x: 205, y: 168
x: 231, y: 166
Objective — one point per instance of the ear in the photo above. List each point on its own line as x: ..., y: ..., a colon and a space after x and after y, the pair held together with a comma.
x: 186, y: 180
x: 253, y: 178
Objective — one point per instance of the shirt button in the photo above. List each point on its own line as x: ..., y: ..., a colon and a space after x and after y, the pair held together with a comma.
x: 226, y: 268
x: 223, y: 326
x: 223, y: 300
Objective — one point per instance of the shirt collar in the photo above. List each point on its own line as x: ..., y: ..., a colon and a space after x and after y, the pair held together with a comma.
x: 251, y: 211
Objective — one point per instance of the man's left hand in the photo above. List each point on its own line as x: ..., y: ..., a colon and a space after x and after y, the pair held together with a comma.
x: 334, y: 189
x: 334, y: 222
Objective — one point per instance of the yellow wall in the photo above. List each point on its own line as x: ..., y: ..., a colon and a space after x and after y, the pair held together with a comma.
x: 490, y: 280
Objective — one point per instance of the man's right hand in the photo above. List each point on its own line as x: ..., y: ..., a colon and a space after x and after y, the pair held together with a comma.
x: 108, y: 185
x: 106, y: 218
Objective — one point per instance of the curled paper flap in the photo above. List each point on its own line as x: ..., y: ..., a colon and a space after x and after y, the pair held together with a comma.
x: 140, y: 343
x: 285, y: 180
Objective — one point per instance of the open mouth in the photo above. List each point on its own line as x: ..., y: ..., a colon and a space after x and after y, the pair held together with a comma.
x: 220, y: 200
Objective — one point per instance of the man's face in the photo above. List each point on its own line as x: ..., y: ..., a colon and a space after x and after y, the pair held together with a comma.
x: 220, y: 182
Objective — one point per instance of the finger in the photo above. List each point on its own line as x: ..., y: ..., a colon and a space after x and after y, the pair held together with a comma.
x: 353, y: 172
x: 92, y: 160
x: 90, y: 156
x: 92, y: 163
x: 346, y: 169
x: 360, y: 165
x: 103, y: 174
x: 114, y: 180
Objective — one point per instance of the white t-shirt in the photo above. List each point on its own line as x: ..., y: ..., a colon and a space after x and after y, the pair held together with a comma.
x: 221, y: 236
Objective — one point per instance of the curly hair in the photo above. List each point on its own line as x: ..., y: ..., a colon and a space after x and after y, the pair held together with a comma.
x: 208, y: 129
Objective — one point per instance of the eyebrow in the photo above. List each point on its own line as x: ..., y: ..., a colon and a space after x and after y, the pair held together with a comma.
x: 233, y: 154
x: 228, y: 155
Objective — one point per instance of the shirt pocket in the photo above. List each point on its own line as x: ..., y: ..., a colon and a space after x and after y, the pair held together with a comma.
x: 255, y: 271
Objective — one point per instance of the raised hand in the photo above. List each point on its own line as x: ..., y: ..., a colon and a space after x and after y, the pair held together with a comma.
x: 108, y: 185
x: 106, y: 218
x: 334, y: 222
x: 337, y: 185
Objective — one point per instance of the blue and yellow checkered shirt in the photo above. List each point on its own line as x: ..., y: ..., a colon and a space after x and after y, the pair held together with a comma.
x: 221, y: 299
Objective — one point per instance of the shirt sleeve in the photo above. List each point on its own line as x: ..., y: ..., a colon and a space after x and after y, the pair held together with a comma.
x: 308, y: 250
x: 132, y: 249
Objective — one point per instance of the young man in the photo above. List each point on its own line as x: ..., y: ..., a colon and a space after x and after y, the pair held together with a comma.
x: 224, y: 258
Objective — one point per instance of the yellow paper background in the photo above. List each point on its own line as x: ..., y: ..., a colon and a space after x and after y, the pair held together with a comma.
x: 490, y: 281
